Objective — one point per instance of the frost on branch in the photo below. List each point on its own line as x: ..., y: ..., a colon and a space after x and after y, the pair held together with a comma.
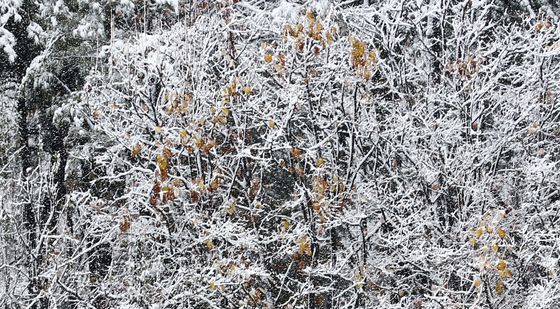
x: 274, y: 154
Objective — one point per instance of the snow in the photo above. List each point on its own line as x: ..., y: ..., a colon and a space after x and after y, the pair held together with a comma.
x: 379, y: 156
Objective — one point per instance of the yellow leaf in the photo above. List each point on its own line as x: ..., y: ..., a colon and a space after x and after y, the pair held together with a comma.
x: 367, y: 74
x: 200, y: 184
x: 212, y: 285
x: 177, y: 182
x: 285, y: 224
x: 506, y: 273
x: 501, y: 265
x: 304, y: 247
x: 162, y: 162
x: 230, y: 210
x: 472, y: 241
x: 372, y: 56
x: 209, y: 243
x: 359, y: 279
x: 329, y: 38
x: 271, y: 124
x: 157, y: 129
x: 320, y: 162
x: 268, y: 57
x: 489, y: 229
x: 310, y: 17
x: 183, y: 133
x: 279, y: 68
x: 333, y: 30
x: 248, y: 90
x: 495, y: 248
x: 538, y: 26
x: 478, y: 232
x: 501, y: 232
x: 358, y: 48
x: 221, y: 120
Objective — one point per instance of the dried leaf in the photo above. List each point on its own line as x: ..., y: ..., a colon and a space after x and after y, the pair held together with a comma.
x: 478, y: 232
x: 125, y: 225
x: 477, y: 282
x: 372, y: 56
x: 268, y: 58
x: 96, y: 114
x: 304, y: 247
x: 214, y: 184
x: 281, y: 58
x: 500, y: 287
x: 310, y: 16
x: 231, y: 209
x: 296, y: 153
x: 248, y: 90
x: 506, y: 273
x: 177, y: 182
x: 136, y: 150
x: 183, y: 133
x: 194, y: 196
x: 534, y: 128
x: 254, y: 189
x: 167, y: 153
x: 271, y: 124
x: 501, y: 233
x: 285, y: 224
x: 212, y: 285
x: 501, y: 265
x: 316, y: 206
x: 209, y: 244
x: 329, y: 38
x: 162, y: 162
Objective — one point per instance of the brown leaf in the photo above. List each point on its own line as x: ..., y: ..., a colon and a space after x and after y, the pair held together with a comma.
x: 194, y: 196
x: 136, y: 150
x: 125, y: 225
x: 255, y: 186
x: 296, y: 153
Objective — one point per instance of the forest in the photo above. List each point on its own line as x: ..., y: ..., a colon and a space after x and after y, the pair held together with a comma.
x: 279, y: 154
